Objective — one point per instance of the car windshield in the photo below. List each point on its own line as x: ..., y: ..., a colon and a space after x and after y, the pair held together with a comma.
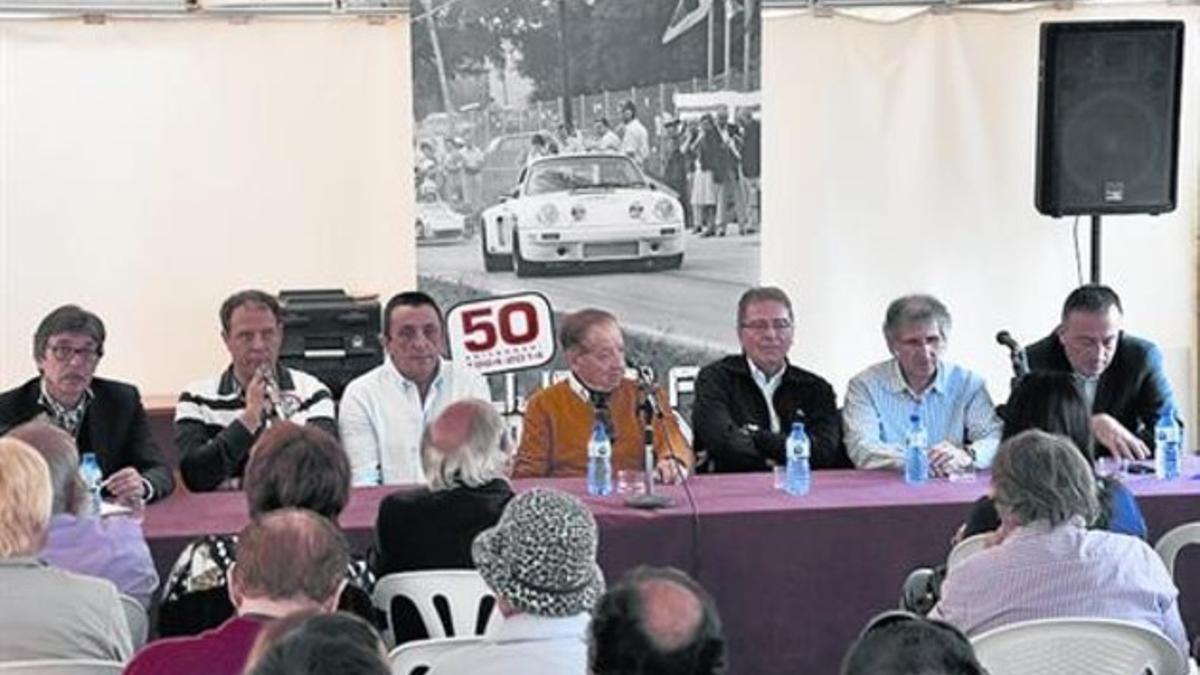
x: 582, y: 173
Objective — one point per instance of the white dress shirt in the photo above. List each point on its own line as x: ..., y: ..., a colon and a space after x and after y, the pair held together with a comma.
x: 382, y: 418
x: 525, y: 644
x: 768, y: 385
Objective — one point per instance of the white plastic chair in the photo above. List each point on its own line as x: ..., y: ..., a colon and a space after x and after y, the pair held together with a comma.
x: 139, y: 623
x: 461, y: 595
x: 965, y: 549
x: 1077, y: 646
x: 415, y: 658
x: 61, y: 667
x: 1169, y: 544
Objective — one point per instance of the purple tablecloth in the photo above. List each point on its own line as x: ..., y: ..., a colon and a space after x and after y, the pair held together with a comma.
x: 795, y: 578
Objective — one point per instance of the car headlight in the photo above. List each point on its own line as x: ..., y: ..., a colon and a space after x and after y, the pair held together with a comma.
x: 578, y: 212
x: 635, y: 210
x: 548, y: 215
x: 664, y: 209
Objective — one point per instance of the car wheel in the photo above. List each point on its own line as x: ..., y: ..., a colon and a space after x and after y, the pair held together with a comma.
x: 493, y: 262
x: 525, y: 268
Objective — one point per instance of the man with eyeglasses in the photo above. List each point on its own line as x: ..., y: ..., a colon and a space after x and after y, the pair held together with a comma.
x: 560, y: 420
x: 218, y: 419
x: 104, y: 416
x: 1121, y: 375
x: 746, y: 403
x: 960, y: 422
x: 384, y: 411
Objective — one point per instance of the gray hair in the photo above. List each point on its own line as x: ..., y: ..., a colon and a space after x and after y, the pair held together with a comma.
x: 58, y: 448
x: 1041, y: 476
x: 763, y: 294
x: 68, y: 319
x: 480, y: 460
x: 916, y: 309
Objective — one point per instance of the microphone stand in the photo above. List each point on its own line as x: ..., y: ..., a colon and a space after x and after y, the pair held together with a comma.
x: 648, y: 409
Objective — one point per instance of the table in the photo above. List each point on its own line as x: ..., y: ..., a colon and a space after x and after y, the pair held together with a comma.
x: 795, y: 578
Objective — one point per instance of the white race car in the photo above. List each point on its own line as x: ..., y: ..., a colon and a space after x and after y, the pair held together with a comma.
x: 571, y: 210
x: 436, y: 222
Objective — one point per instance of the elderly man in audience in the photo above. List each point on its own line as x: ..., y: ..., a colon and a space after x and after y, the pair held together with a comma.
x: 217, y: 420
x: 746, y: 403
x: 384, y: 411
x: 1122, y: 375
x: 656, y: 621
x: 540, y: 560
x: 901, y: 643
x: 113, y: 547
x: 47, y: 613
x: 290, y: 467
x: 1044, y: 562
x: 960, y: 422
x: 288, y: 560
x: 560, y: 420
x: 105, y: 417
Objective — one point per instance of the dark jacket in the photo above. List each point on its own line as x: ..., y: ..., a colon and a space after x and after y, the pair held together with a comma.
x: 727, y: 400
x: 114, y: 428
x: 1133, y: 388
x: 422, y: 529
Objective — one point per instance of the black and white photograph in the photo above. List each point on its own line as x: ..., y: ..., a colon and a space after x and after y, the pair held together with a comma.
x: 601, y: 152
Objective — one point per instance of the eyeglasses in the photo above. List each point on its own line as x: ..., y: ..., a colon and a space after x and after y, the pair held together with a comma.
x: 64, y: 353
x: 761, y: 325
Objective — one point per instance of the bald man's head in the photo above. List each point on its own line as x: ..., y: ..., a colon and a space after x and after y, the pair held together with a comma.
x: 656, y: 620
x: 58, y: 448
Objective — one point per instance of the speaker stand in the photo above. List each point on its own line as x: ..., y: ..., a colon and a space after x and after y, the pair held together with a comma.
x: 1095, y: 249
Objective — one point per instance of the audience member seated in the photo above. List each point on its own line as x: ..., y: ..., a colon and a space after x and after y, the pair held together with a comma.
x: 960, y: 422
x: 656, y: 621
x: 112, y: 547
x: 217, y: 420
x: 1122, y: 375
x: 465, y: 455
x: 383, y: 412
x: 746, y: 403
x: 105, y: 417
x: 559, y: 421
x: 900, y: 643
x: 1053, y: 402
x: 290, y: 466
x: 1045, y: 563
x: 47, y: 613
x: 540, y: 560
x: 309, y: 643
x: 289, y: 560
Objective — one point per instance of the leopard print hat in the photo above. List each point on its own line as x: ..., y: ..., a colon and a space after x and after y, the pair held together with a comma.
x: 541, y: 555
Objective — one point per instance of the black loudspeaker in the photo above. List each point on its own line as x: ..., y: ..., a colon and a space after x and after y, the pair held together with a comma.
x: 1108, y: 117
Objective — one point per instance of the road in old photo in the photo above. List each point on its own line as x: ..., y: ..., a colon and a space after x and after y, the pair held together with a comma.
x: 695, y: 304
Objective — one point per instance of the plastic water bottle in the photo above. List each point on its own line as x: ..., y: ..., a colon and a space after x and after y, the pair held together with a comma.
x: 599, y: 468
x: 89, y: 471
x: 916, y: 461
x: 799, y: 472
x: 1167, y: 445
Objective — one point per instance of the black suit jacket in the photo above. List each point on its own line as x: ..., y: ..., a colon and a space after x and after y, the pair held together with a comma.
x: 727, y: 399
x: 422, y: 529
x: 1133, y: 388
x: 114, y: 427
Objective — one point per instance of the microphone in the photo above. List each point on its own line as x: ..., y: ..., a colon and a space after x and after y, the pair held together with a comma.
x: 650, y: 410
x: 1005, y: 338
x: 1016, y: 353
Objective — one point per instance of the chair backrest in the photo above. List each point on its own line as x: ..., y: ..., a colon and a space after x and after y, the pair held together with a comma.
x: 1169, y: 544
x: 452, y: 603
x: 681, y: 381
x: 1077, y: 646
x: 966, y: 548
x: 61, y: 667
x: 415, y: 658
x: 139, y: 623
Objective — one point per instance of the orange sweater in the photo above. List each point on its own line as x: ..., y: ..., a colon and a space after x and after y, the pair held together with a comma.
x: 558, y: 425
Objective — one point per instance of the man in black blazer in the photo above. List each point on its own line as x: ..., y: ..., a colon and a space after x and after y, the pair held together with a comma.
x: 1121, y: 375
x: 731, y: 418
x: 105, y: 417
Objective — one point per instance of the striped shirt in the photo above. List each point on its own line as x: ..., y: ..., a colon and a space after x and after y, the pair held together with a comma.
x: 955, y: 408
x: 213, y: 442
x: 1041, y: 573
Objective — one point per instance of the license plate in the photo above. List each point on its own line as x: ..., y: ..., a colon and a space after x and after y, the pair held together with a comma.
x: 607, y: 250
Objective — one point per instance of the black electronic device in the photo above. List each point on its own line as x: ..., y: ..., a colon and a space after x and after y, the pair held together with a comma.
x: 330, y: 335
x: 1108, y: 117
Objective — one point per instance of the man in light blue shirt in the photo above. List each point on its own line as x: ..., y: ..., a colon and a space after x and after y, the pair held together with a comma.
x: 960, y: 421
